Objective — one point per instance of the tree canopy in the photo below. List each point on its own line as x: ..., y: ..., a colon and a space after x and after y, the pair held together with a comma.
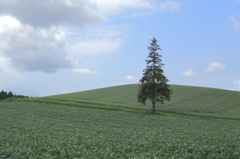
x: 4, y: 95
x: 153, y: 83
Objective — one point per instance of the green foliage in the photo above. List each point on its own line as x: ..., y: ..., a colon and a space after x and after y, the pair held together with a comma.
x: 186, y: 100
x: 35, y: 130
x: 75, y: 104
x: 124, y: 95
x: 153, y: 83
x: 4, y: 95
x: 162, y: 92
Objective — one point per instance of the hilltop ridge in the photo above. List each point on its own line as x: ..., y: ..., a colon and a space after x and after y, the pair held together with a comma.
x: 187, y: 100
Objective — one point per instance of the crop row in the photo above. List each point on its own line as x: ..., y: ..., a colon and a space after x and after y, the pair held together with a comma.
x: 34, y: 130
x: 188, y: 100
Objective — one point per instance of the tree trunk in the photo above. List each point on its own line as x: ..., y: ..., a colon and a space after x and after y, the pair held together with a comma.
x: 153, y: 107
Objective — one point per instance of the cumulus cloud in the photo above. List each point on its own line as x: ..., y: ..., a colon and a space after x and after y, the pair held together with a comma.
x: 215, y: 66
x: 129, y: 77
x: 85, y: 71
x: 40, y: 35
x: 47, y: 50
x: 32, y: 49
x: 8, y: 23
x: 236, y: 23
x: 45, y: 13
x: 170, y: 5
x: 189, y: 73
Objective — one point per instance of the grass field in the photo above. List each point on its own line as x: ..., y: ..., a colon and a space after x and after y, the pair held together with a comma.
x: 37, y: 130
x: 187, y: 100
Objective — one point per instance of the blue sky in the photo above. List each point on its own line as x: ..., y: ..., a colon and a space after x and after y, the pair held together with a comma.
x: 63, y: 46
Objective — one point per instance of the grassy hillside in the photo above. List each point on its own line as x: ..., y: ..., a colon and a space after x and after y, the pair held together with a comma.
x: 37, y: 130
x: 189, y: 100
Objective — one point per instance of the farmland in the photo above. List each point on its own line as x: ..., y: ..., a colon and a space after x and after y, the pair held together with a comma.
x: 186, y: 100
x: 37, y: 130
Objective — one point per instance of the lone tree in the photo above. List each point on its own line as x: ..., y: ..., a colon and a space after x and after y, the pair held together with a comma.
x: 153, y: 83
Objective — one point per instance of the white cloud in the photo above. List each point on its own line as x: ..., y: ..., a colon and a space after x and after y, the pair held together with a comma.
x: 34, y: 39
x: 32, y: 49
x: 77, y: 13
x: 215, y: 66
x: 47, y: 50
x: 170, y: 5
x: 95, y: 47
x: 237, y: 1
x: 96, y: 42
x: 46, y: 13
x: 129, y: 77
x: 236, y: 86
x: 236, y: 23
x: 189, y: 73
x: 85, y: 71
x: 112, y: 7
x: 7, y: 22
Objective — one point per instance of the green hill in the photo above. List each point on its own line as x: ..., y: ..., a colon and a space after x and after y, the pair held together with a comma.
x: 187, y: 100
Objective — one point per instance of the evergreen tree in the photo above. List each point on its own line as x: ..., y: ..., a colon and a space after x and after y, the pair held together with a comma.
x: 10, y: 94
x: 5, y: 95
x: 2, y: 95
x: 153, y: 83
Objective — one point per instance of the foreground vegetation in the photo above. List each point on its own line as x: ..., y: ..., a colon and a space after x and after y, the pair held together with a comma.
x: 37, y: 130
x: 185, y: 100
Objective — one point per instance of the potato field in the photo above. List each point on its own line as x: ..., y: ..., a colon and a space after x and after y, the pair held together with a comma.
x: 37, y: 130
x: 186, y: 100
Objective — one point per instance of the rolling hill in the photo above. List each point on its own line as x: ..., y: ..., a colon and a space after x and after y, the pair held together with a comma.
x: 186, y: 100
